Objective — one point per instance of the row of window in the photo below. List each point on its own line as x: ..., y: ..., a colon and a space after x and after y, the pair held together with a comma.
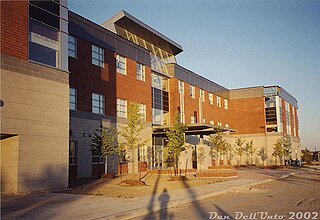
x: 192, y: 92
x: 98, y: 104
x: 97, y: 58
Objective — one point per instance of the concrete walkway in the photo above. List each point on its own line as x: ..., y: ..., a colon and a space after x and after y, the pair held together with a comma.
x: 70, y: 206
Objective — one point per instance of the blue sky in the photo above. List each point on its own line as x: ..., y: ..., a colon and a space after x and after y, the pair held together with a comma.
x: 238, y: 43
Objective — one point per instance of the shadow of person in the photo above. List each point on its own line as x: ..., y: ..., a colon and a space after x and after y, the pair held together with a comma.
x: 164, y: 199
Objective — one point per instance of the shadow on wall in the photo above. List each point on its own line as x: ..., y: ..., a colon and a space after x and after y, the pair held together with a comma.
x: 34, y: 206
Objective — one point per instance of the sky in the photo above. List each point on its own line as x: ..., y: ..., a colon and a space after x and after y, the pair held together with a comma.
x: 238, y: 43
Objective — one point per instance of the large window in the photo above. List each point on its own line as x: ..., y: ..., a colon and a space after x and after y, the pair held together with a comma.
x: 72, y: 46
x: 73, y: 99
x: 44, y: 32
x: 98, y: 103
x: 141, y: 75
x: 121, y: 64
x: 73, y: 153
x: 122, y: 108
x: 43, y: 43
x: 97, y: 56
x: 192, y: 91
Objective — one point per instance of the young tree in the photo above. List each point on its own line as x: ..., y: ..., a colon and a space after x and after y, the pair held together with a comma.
x: 278, y: 150
x: 217, y: 142
x: 249, y: 151
x: 239, y: 148
x: 130, y: 133
x: 306, y: 156
x: 103, y: 142
x: 263, y: 154
x: 176, y: 140
x: 287, y: 146
x: 230, y: 152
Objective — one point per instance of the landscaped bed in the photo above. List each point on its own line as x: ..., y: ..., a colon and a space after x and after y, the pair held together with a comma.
x: 154, y: 183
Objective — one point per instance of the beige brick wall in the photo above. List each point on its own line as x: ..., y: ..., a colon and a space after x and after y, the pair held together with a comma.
x: 37, y: 110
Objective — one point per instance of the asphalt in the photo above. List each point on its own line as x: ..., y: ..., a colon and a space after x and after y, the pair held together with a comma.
x: 70, y: 206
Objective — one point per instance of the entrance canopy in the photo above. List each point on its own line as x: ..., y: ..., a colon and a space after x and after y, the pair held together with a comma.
x: 193, y: 129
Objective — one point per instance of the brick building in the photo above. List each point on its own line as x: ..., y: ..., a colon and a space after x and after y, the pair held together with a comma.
x: 56, y: 95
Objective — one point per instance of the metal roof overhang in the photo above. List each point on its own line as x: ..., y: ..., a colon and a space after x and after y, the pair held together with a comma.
x: 128, y: 22
x: 193, y: 129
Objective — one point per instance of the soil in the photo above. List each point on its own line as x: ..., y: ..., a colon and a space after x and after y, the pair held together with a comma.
x: 152, y: 183
x: 129, y: 182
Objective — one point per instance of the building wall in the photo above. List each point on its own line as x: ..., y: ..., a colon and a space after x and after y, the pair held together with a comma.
x: 14, y: 41
x: 210, y: 112
x: 128, y: 87
x: 247, y: 116
x: 88, y: 78
x: 36, y: 102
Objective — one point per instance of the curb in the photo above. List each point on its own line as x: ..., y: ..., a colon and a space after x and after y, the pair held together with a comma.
x: 157, y: 207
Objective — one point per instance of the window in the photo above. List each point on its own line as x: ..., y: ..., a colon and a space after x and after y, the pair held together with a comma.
x: 72, y: 46
x: 192, y: 119
x: 121, y: 65
x: 181, y: 87
x: 142, y: 110
x: 220, y: 124
x: 97, y: 56
x: 73, y: 99
x: 98, y: 103
x: 192, y: 91
x: 212, y: 122
x: 140, y: 72
x: 211, y: 98
x: 122, y: 108
x: 43, y: 44
x: 96, y: 159
x: 226, y: 104
x: 73, y: 153
x: 227, y: 125
x: 219, y: 101
x: 202, y: 95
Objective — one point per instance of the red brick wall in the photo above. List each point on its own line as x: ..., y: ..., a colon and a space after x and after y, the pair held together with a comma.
x: 284, y: 119
x: 297, y: 122
x: 247, y: 115
x: 128, y: 87
x: 210, y: 112
x: 14, y: 28
x: 88, y: 78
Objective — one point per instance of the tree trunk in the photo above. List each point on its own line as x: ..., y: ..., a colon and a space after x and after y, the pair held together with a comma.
x: 132, y: 166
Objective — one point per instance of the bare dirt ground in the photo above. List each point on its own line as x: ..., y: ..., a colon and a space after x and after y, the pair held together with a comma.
x: 111, y: 187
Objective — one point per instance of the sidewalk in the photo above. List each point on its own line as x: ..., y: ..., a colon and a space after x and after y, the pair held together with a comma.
x: 70, y: 206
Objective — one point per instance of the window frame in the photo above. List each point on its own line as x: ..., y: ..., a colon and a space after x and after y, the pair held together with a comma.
x: 192, y: 91
x: 75, y: 44
x: 141, y: 75
x: 122, y: 108
x: 75, y: 156
x: 210, y: 98
x: 226, y: 104
x: 121, y: 70
x: 100, y: 54
x: 143, y: 110
x: 219, y: 101
x: 75, y: 98
x: 101, y: 101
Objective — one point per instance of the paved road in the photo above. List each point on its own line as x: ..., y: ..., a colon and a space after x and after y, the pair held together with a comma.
x: 295, y: 197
